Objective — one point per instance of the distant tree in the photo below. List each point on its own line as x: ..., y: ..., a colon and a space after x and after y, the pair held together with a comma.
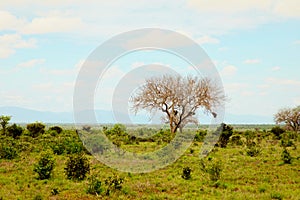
x: 290, y: 117
x: 178, y: 97
x: 56, y: 128
x: 4, y: 120
x: 35, y: 129
x: 15, y: 131
x: 226, y: 133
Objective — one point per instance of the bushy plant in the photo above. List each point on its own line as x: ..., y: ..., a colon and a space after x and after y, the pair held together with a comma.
x: 253, y: 151
x: 58, y: 129
x: 77, y: 167
x: 200, y: 135
x: 186, y: 173
x: 236, y: 140
x: 94, y: 186
x: 212, y: 167
x: 286, y: 157
x: 8, y: 152
x: 225, y: 132
x: 45, y: 165
x: 15, y: 131
x: 113, y: 183
x: 277, y: 131
x: 35, y: 129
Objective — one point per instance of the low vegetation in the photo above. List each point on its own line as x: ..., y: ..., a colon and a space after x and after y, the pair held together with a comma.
x: 52, y: 163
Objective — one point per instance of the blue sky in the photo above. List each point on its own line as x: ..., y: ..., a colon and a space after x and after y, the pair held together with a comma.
x: 254, y: 44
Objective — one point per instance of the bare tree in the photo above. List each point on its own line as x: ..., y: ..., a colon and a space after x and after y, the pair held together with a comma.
x: 178, y: 98
x: 289, y: 116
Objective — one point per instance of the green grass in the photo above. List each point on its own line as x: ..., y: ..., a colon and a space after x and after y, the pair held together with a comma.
x: 243, y: 177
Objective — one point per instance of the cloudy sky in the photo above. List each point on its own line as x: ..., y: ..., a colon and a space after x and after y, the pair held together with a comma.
x: 254, y: 45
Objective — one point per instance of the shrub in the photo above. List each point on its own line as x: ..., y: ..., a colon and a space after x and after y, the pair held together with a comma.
x: 236, y: 140
x: 56, y: 128
x: 77, y: 166
x: 276, y: 196
x: 94, y: 186
x: 45, y: 166
x: 200, y: 135
x: 212, y: 168
x: 35, y: 129
x: 225, y: 132
x: 286, y: 157
x: 58, y: 148
x: 277, y: 131
x: 186, y: 173
x: 8, y: 152
x: 253, y: 151
x: 15, y: 131
x: 113, y: 183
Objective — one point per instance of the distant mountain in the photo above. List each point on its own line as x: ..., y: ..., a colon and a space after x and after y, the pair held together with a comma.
x: 23, y: 115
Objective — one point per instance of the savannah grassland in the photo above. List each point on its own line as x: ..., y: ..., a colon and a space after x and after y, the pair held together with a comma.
x: 261, y: 176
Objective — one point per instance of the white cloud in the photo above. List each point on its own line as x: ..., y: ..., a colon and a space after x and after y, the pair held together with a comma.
x: 10, y: 42
x: 297, y: 42
x: 31, y: 63
x: 252, y: 61
x: 10, y: 22
x: 288, y: 8
x: 53, y: 24
x: 207, y: 40
x: 276, y: 68
x: 229, y: 70
x: 283, y: 82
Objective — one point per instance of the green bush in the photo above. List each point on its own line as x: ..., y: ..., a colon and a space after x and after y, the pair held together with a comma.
x: 286, y: 157
x: 45, y: 166
x: 56, y: 128
x: 8, y: 152
x: 253, y: 151
x: 212, y: 168
x: 186, y: 173
x: 225, y: 132
x: 94, y: 186
x: 35, y: 129
x: 200, y: 135
x: 15, y: 131
x: 277, y: 131
x: 236, y: 140
x: 77, y: 166
x: 113, y: 183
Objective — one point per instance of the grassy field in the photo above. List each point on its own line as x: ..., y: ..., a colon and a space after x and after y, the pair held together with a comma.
x: 248, y: 171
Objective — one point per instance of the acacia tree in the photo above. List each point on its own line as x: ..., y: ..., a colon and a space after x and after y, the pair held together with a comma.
x: 178, y: 97
x: 4, y: 120
x: 289, y: 116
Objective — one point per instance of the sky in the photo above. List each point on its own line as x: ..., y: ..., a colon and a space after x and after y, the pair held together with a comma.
x: 254, y: 45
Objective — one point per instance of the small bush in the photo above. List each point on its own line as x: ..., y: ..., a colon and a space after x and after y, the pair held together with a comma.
x: 253, y: 151
x: 77, y: 166
x: 186, y: 173
x: 200, y: 135
x: 8, y: 152
x: 212, y: 168
x: 225, y: 132
x: 286, y: 157
x: 45, y: 166
x: 56, y: 128
x: 15, y: 131
x: 113, y: 183
x: 277, y: 131
x: 94, y: 186
x: 276, y: 196
x: 38, y: 197
x: 36, y: 129
x: 236, y: 140
x: 55, y: 191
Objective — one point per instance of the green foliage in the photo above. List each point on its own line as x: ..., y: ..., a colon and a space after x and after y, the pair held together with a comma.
x: 253, y: 151
x: 225, y: 132
x: 212, y: 167
x: 15, y: 131
x: 58, y: 129
x: 236, y: 140
x: 4, y: 120
x: 77, y: 166
x: 94, y: 186
x: 35, y: 129
x: 186, y: 173
x: 8, y: 152
x: 286, y: 157
x: 113, y: 183
x: 55, y: 191
x: 200, y: 135
x: 38, y: 197
x: 277, y: 131
x: 45, y: 165
x: 276, y: 196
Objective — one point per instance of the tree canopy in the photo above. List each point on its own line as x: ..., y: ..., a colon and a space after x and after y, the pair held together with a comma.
x: 178, y: 98
x: 289, y: 116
